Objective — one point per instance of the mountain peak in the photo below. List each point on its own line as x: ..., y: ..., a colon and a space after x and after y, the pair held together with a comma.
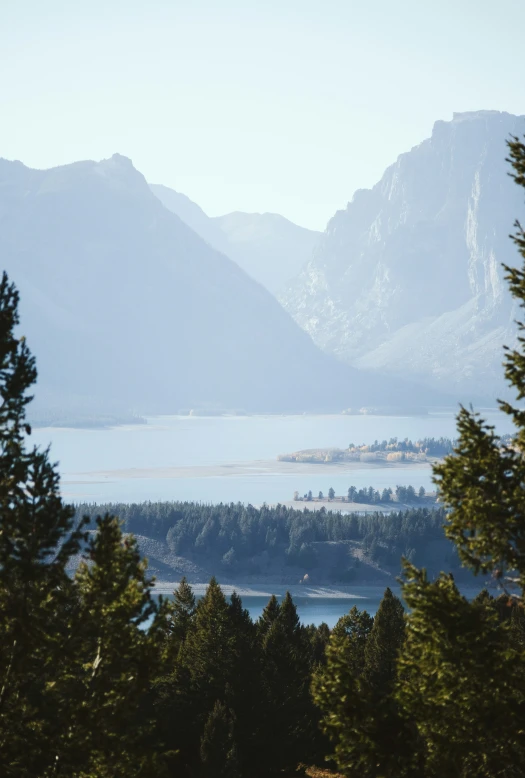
x: 407, y: 280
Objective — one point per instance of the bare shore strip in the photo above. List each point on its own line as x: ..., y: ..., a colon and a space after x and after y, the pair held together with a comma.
x: 257, y: 467
x: 266, y: 590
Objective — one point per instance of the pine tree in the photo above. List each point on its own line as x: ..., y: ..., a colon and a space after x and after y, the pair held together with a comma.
x: 218, y: 752
x: 463, y: 669
x: 462, y: 681
x: 384, y: 644
x: 355, y: 692
x: 268, y: 616
x: 114, y: 659
x: 36, y: 541
x: 286, y: 707
x: 74, y: 660
x: 181, y: 612
x: 354, y: 630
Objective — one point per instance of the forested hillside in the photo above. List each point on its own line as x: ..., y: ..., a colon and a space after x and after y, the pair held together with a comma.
x: 239, y: 542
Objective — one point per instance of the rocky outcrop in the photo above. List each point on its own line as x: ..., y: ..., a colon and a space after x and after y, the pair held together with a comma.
x: 407, y: 279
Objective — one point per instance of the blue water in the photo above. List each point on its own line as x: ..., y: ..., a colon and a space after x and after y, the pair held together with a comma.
x: 88, y: 459
x: 316, y: 610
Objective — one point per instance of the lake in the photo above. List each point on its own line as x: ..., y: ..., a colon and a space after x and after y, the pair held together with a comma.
x: 214, y: 459
x: 321, y: 606
x: 312, y: 609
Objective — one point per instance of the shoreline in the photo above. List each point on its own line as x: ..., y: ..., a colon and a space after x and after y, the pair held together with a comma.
x: 259, y: 467
x: 343, y: 592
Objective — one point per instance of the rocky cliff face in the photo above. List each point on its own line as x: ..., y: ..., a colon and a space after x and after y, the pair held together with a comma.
x: 408, y: 279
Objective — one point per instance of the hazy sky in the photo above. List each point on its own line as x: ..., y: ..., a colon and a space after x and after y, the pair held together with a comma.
x: 274, y: 105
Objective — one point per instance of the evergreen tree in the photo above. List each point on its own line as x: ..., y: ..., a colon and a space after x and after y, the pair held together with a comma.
x: 209, y: 647
x: 287, y: 718
x: 74, y: 660
x: 36, y: 542
x: 354, y: 630
x: 181, y: 614
x: 462, y: 681
x: 355, y: 692
x: 384, y: 644
x: 114, y: 660
x: 268, y: 616
x: 463, y: 669
x: 217, y: 747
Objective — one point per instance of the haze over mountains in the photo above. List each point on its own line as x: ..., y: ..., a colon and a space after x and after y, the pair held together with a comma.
x: 267, y: 246
x: 132, y: 297
x: 407, y: 280
x: 124, y: 305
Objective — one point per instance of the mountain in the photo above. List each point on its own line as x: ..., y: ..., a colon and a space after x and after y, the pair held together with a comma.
x: 125, y: 306
x: 192, y: 215
x: 271, y: 249
x: 407, y: 280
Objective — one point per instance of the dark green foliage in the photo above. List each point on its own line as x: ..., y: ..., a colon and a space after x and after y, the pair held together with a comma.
x: 181, y: 612
x: 74, y: 660
x: 218, y: 753
x: 235, y: 687
x: 463, y: 680
x: 355, y: 691
x: 241, y: 532
x: 384, y: 644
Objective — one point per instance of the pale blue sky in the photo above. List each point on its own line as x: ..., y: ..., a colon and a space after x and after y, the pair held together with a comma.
x: 280, y: 105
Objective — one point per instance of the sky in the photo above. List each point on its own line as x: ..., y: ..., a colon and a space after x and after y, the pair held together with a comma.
x: 280, y: 105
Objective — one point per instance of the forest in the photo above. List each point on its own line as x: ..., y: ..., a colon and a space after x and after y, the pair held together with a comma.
x: 238, y: 538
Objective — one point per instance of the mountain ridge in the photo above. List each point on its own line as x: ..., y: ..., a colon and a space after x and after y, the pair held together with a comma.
x: 268, y: 246
x: 124, y: 305
x: 407, y: 278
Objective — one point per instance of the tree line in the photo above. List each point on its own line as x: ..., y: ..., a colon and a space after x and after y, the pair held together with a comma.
x: 232, y: 538
x: 370, y: 496
x: 434, y: 447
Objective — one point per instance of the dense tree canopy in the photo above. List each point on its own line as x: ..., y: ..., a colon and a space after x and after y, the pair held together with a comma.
x: 74, y: 660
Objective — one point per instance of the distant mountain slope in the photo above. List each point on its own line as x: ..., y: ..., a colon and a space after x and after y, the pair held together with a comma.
x: 271, y: 249
x: 407, y: 280
x: 192, y: 215
x: 124, y: 305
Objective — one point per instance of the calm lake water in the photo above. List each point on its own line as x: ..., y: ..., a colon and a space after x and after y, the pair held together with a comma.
x: 315, y: 610
x: 87, y: 457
